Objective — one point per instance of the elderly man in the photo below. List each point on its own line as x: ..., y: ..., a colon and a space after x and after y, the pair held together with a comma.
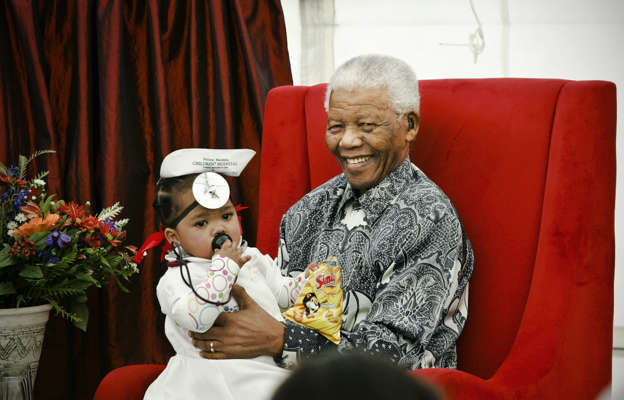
x: 404, y: 256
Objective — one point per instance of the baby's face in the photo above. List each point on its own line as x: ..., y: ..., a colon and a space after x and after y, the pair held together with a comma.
x: 198, y: 229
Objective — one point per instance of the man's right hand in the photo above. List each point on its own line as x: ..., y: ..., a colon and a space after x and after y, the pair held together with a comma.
x: 248, y: 333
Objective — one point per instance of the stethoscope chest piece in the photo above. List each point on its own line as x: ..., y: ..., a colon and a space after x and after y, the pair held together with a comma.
x: 211, y: 190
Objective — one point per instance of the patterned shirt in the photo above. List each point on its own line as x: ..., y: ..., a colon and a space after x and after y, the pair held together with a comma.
x: 405, y: 264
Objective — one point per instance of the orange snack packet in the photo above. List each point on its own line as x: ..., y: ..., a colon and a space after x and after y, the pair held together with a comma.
x: 319, y: 305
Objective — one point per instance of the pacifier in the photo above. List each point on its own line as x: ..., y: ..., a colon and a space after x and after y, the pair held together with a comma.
x: 219, y: 239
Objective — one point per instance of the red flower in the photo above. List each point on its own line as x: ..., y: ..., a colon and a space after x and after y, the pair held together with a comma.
x: 113, y: 242
x: 32, y: 210
x: 93, y: 241
x: 90, y: 223
x: 34, y: 192
x: 104, y: 228
x: 10, y: 180
x: 73, y: 210
x: 113, y: 237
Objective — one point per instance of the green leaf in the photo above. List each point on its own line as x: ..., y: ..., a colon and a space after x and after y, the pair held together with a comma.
x: 70, y: 257
x: 86, y: 277
x: 39, y: 238
x: 81, y: 310
x: 42, y: 175
x: 3, y: 169
x: 7, y: 288
x: 5, y: 258
x: 120, y: 285
x: 45, y: 205
x: 60, y: 310
x: 80, y: 285
x: 113, y: 260
x: 31, y: 271
x: 23, y: 161
x: 55, y: 207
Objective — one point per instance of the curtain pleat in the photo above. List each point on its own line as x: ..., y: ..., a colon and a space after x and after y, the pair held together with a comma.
x: 113, y: 86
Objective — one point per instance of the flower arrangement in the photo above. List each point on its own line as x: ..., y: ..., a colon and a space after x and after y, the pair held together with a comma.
x: 53, y: 251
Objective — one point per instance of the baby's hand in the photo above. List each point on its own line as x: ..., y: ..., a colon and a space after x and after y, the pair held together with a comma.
x: 310, y: 269
x: 234, y: 253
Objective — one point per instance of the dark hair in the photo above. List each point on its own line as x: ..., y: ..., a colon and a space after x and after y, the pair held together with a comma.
x: 308, y: 296
x: 167, y: 202
x: 352, y: 376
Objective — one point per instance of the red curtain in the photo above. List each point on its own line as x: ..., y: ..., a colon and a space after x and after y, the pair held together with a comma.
x: 113, y: 86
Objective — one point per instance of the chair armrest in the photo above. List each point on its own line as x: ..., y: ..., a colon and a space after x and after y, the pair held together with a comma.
x: 128, y: 383
x: 458, y: 385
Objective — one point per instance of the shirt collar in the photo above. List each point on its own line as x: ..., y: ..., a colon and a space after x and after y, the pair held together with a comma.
x: 375, y: 200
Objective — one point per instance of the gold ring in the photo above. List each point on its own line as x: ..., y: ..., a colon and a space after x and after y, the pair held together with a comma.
x: 212, y: 350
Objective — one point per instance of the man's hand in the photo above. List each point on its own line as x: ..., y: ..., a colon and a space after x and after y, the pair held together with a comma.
x: 247, y: 333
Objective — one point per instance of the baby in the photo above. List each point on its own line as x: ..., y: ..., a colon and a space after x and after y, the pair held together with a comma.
x: 207, y: 258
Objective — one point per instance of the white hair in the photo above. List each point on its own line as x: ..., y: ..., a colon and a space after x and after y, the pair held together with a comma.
x: 378, y: 71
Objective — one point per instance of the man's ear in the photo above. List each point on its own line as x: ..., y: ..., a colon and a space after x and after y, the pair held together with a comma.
x: 171, y: 235
x: 413, y: 123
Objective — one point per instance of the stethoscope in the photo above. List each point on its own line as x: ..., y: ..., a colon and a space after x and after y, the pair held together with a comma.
x: 180, y: 262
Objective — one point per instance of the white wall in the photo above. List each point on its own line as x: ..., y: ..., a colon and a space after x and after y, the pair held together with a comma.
x: 570, y: 39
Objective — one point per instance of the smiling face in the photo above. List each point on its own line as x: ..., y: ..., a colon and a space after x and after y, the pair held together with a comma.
x: 367, y: 137
x: 198, y: 229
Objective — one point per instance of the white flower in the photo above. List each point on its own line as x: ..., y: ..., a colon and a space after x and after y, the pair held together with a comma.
x: 39, y: 182
x: 20, y: 217
x: 121, y: 223
x: 12, y: 225
x: 110, y: 212
x: 132, y: 267
x: 10, y: 232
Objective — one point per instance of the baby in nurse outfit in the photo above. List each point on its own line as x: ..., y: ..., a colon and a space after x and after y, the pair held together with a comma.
x: 207, y: 258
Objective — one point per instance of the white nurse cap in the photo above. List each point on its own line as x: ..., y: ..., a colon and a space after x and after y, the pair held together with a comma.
x: 210, y: 189
x: 229, y: 162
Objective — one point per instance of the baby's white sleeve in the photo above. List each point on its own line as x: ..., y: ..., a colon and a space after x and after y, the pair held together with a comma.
x: 286, y: 289
x: 211, y: 281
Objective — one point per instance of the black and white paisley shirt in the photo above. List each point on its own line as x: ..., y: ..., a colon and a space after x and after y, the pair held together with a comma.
x: 405, y: 264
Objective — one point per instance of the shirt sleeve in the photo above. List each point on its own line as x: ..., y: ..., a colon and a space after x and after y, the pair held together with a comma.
x: 212, y: 281
x: 286, y: 289
x: 410, y: 302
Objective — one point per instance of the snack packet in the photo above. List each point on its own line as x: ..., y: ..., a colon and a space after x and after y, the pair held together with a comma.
x: 319, y: 305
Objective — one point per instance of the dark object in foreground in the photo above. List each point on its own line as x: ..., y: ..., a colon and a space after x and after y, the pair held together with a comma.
x: 352, y: 376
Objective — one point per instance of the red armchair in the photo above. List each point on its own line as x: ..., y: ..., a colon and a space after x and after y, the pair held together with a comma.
x: 530, y: 166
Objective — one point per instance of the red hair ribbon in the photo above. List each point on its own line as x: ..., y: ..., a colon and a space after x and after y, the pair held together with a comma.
x: 153, y: 240
x: 157, y: 238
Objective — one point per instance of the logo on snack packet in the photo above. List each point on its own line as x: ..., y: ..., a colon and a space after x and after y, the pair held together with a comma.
x: 326, y: 280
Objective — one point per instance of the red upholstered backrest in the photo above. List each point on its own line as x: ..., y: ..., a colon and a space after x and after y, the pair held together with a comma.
x: 485, y: 142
